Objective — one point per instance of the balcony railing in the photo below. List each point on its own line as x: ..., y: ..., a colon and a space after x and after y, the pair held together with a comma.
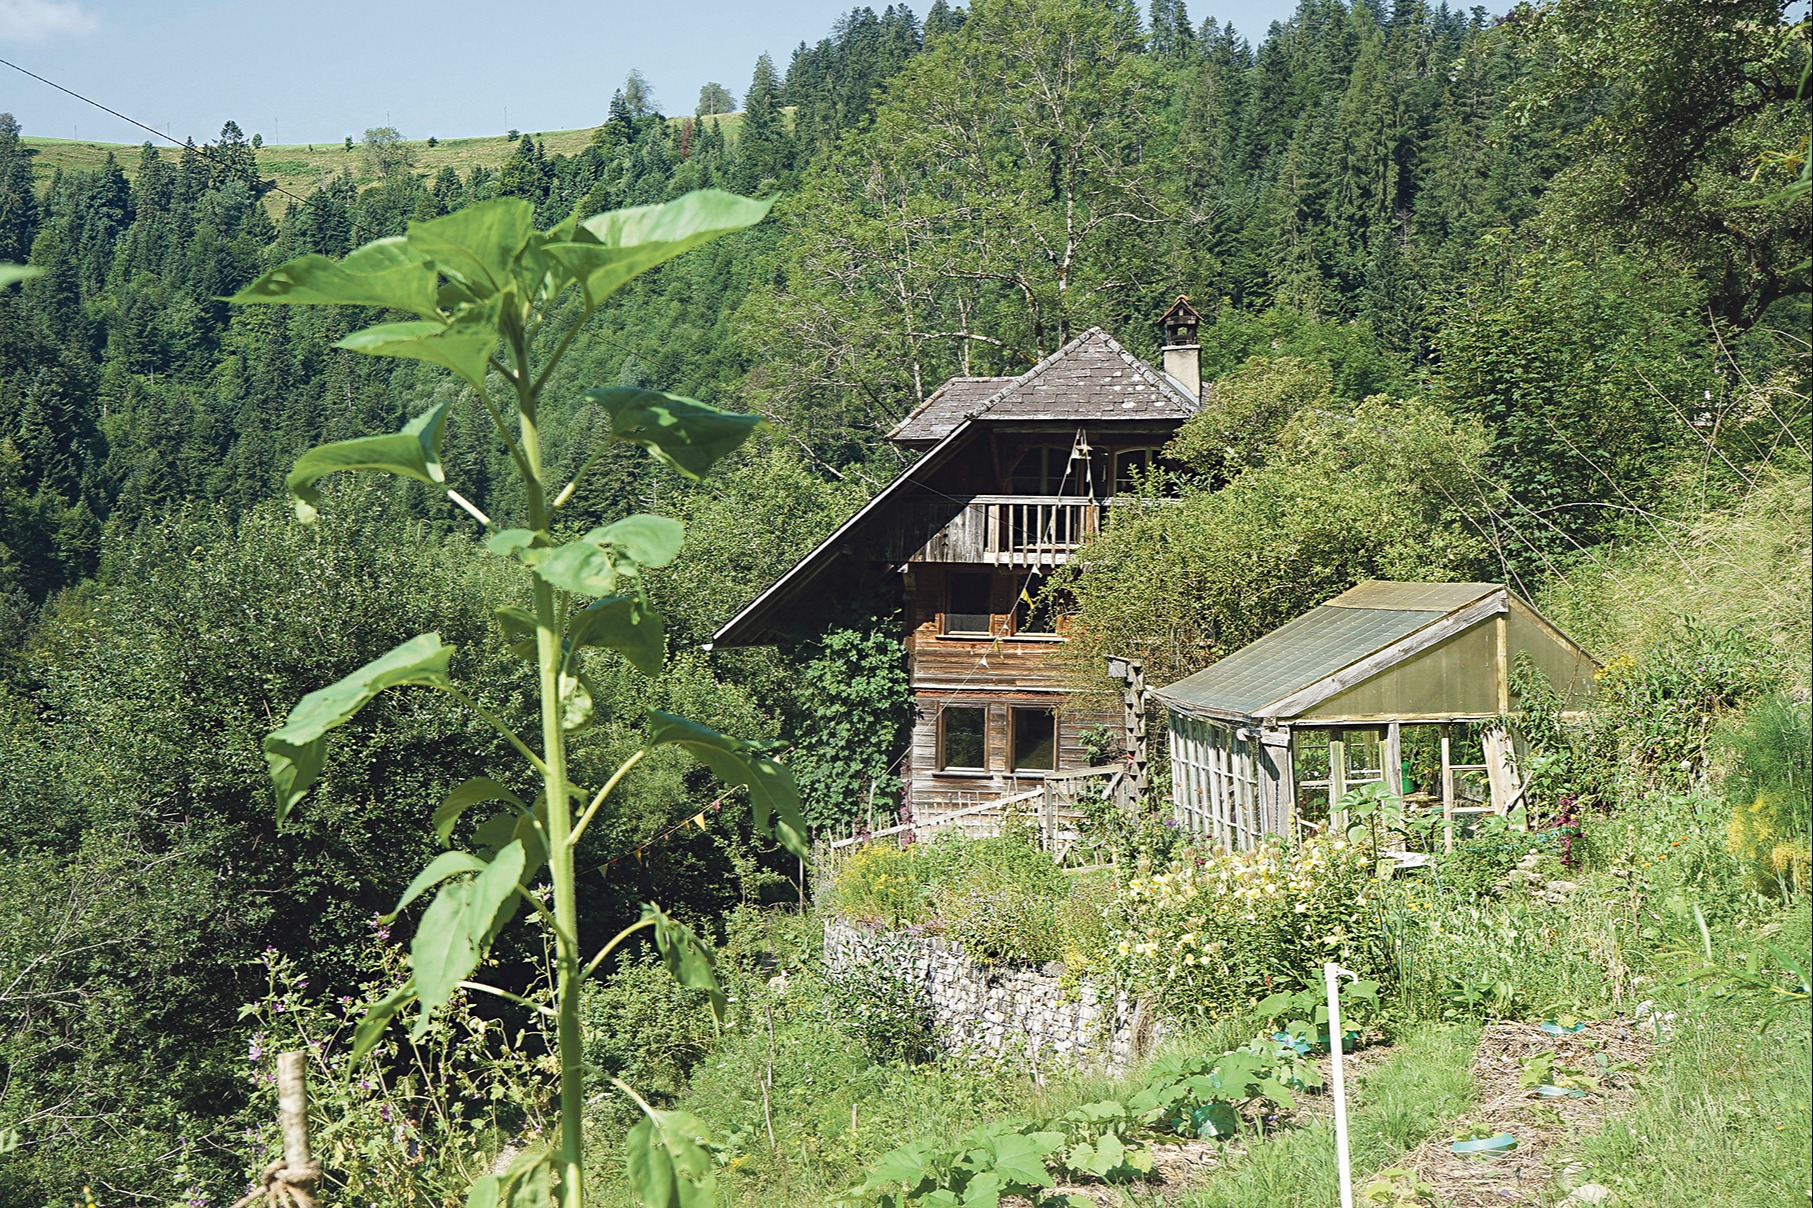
x: 996, y: 530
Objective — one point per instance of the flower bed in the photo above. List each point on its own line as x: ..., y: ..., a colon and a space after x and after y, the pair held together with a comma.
x: 1212, y: 937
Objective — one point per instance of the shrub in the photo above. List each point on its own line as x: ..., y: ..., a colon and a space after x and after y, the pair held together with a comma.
x: 642, y: 1026
x: 1665, y: 706
x: 1770, y: 790
x: 1000, y: 899
x: 416, y: 1120
x: 1214, y: 937
x: 886, y: 1009
x: 883, y: 884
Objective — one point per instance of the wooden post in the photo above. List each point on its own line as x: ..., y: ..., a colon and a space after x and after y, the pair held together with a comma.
x: 1131, y: 673
x: 1447, y: 792
x: 1393, y: 759
x: 1503, y: 670
x: 1337, y: 784
x: 299, y: 1169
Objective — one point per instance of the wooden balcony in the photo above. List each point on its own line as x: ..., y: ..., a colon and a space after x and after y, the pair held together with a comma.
x: 995, y: 530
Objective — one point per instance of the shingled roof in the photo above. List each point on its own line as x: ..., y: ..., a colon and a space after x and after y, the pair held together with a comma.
x: 949, y: 405
x: 1090, y: 378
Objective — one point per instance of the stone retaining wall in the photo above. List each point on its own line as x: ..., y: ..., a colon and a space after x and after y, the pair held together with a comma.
x: 1019, y: 1010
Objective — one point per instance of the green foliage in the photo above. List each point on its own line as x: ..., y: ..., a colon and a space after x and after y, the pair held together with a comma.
x: 883, y: 883
x: 887, y: 1009
x: 855, y: 705
x: 1684, y: 100
x: 1664, y: 708
x: 983, y: 1166
x: 999, y: 899
x: 419, y: 1119
x: 502, y: 278
x: 1209, y: 937
x: 1769, y: 786
x: 1582, y: 371
x: 1247, y: 410
x: 1380, y: 493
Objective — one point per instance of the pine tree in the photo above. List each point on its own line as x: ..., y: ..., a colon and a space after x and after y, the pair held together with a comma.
x: 18, y: 199
x: 764, y: 149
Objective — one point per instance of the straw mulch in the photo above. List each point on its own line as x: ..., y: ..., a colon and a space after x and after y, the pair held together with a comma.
x: 1541, y: 1125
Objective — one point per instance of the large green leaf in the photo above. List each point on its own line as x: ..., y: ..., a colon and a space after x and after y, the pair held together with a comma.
x: 772, y: 793
x: 296, y: 750
x: 650, y: 540
x: 462, y: 346
x: 610, y: 249
x: 687, y: 957
x: 906, y: 1165
x: 592, y: 565
x: 1021, y: 1157
x: 625, y: 624
x: 580, y: 567
x: 384, y: 273
x: 680, y: 432
x: 448, y: 941
x: 667, y: 1165
x: 13, y: 273
x: 506, y: 827
x: 479, y: 245
x: 475, y: 791
x: 415, y: 452
x: 447, y: 864
x: 378, y: 1016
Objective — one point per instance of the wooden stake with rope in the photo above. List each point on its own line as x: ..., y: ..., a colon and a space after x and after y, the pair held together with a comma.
x: 291, y: 1179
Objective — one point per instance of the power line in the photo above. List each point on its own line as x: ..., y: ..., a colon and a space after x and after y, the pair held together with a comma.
x: 201, y: 150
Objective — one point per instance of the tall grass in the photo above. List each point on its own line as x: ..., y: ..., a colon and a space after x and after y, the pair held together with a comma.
x: 1744, y: 564
x: 1722, y: 1118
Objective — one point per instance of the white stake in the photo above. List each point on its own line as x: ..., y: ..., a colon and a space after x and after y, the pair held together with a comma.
x: 1331, y: 974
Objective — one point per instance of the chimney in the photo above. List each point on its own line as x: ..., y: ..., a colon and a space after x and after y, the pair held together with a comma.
x: 1183, y: 355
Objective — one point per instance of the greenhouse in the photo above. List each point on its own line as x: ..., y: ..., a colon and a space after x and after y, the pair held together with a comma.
x: 1404, y: 684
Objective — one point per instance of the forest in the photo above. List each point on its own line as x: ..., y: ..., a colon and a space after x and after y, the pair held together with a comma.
x: 1518, y: 297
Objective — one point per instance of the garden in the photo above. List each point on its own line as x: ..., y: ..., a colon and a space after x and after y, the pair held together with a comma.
x: 1609, y: 1002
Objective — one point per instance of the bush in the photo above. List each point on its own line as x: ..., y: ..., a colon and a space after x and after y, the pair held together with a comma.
x: 886, y: 1009
x: 1212, y: 938
x: 1770, y: 791
x: 645, y: 1028
x: 883, y: 884
x: 1664, y: 707
x: 1000, y: 899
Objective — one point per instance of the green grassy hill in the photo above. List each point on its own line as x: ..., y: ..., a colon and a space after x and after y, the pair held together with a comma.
x: 302, y: 167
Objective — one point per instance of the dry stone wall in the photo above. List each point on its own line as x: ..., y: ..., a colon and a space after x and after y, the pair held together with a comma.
x: 1029, y: 1012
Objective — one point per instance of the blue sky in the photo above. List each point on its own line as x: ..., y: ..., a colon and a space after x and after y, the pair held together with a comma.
x: 317, y: 72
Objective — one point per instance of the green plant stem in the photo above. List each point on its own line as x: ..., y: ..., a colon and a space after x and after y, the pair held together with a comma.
x: 579, y: 827
x: 569, y: 1190
x: 497, y: 723
x: 605, y: 951
x: 518, y: 999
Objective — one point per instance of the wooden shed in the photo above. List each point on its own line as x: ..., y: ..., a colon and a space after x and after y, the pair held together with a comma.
x: 1394, y: 682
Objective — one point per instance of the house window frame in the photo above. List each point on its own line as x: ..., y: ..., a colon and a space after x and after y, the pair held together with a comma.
x: 947, y: 629
x: 1013, y: 740
x: 1050, y: 482
x: 944, y: 764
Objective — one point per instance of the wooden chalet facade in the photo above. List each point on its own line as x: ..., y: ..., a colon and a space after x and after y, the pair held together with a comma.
x: 1015, y: 474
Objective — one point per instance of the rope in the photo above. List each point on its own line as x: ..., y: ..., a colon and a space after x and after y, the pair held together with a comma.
x: 279, y: 1186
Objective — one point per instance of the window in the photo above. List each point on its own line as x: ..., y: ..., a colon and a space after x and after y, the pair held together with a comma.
x: 963, y: 739
x: 1046, y: 470
x: 967, y: 606
x: 1035, y: 740
x: 1032, y: 614
x: 1130, y: 466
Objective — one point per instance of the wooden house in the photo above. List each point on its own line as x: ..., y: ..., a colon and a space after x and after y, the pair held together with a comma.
x: 1399, y: 683
x: 1015, y: 473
